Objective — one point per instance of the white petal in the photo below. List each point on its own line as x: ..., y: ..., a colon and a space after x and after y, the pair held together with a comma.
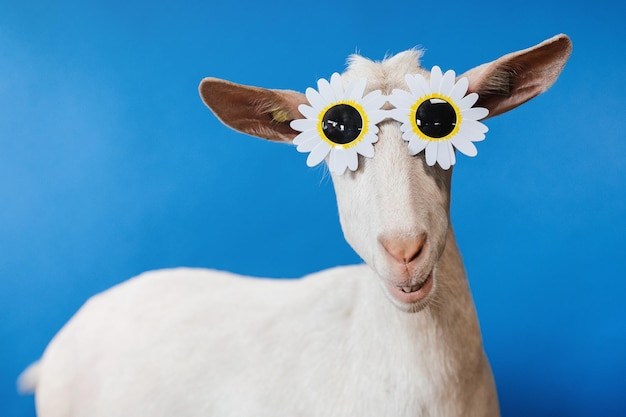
x: 464, y: 146
x: 318, y: 154
x: 402, y: 99
x: 421, y: 86
x: 370, y: 137
x: 326, y: 91
x: 468, y: 101
x: 302, y: 125
x: 407, y: 127
x: 374, y: 100
x: 443, y: 155
x: 331, y: 160
x: 452, y: 154
x: 355, y: 89
x: 459, y: 89
x: 447, y: 82
x: 372, y: 130
x: 316, y: 100
x: 408, y: 135
x: 435, y: 79
x: 304, y: 136
x: 308, y: 145
x: 353, y: 159
x: 475, y: 113
x: 378, y: 116
x: 337, y: 162
x: 418, y: 85
x: 417, y: 145
x: 473, y: 137
x: 365, y: 148
x: 470, y: 128
x: 308, y: 111
x: 431, y: 153
x: 399, y: 114
x: 337, y: 86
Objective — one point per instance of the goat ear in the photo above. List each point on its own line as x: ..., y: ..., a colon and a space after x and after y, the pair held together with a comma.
x: 517, y: 77
x: 252, y: 110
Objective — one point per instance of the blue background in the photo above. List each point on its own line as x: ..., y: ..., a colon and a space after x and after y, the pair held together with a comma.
x: 111, y: 165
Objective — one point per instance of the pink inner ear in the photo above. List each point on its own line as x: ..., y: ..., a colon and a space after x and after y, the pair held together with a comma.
x: 252, y: 110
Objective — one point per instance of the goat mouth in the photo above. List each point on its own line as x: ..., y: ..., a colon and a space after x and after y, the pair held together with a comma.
x: 412, y: 294
x: 412, y: 288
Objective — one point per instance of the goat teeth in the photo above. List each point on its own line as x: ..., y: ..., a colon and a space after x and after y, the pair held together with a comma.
x: 412, y: 288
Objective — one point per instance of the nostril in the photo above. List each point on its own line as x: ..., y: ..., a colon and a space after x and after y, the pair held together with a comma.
x: 404, y: 250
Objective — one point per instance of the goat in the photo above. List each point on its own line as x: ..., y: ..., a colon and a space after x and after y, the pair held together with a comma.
x: 396, y: 336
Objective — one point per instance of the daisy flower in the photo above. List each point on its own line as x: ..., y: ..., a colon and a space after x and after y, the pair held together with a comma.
x: 438, y: 116
x: 339, y: 123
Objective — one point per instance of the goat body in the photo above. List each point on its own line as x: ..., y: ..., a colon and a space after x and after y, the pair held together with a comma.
x: 395, y: 337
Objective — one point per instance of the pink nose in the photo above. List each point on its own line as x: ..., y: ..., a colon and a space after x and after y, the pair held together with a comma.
x: 404, y: 250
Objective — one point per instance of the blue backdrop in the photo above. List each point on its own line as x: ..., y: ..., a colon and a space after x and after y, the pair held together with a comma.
x: 111, y: 165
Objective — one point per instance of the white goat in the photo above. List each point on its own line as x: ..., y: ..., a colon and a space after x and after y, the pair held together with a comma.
x: 396, y: 337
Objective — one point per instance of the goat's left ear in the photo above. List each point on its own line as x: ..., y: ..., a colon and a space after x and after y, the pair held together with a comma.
x: 253, y: 110
x: 517, y: 77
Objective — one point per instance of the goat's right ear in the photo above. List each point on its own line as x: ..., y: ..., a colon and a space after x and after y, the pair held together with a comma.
x: 256, y: 111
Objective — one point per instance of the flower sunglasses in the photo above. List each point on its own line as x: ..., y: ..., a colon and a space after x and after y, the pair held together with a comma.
x: 436, y: 116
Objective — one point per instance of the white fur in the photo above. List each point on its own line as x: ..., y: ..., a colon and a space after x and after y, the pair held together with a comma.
x: 193, y: 342
x: 27, y: 381
x: 190, y: 342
